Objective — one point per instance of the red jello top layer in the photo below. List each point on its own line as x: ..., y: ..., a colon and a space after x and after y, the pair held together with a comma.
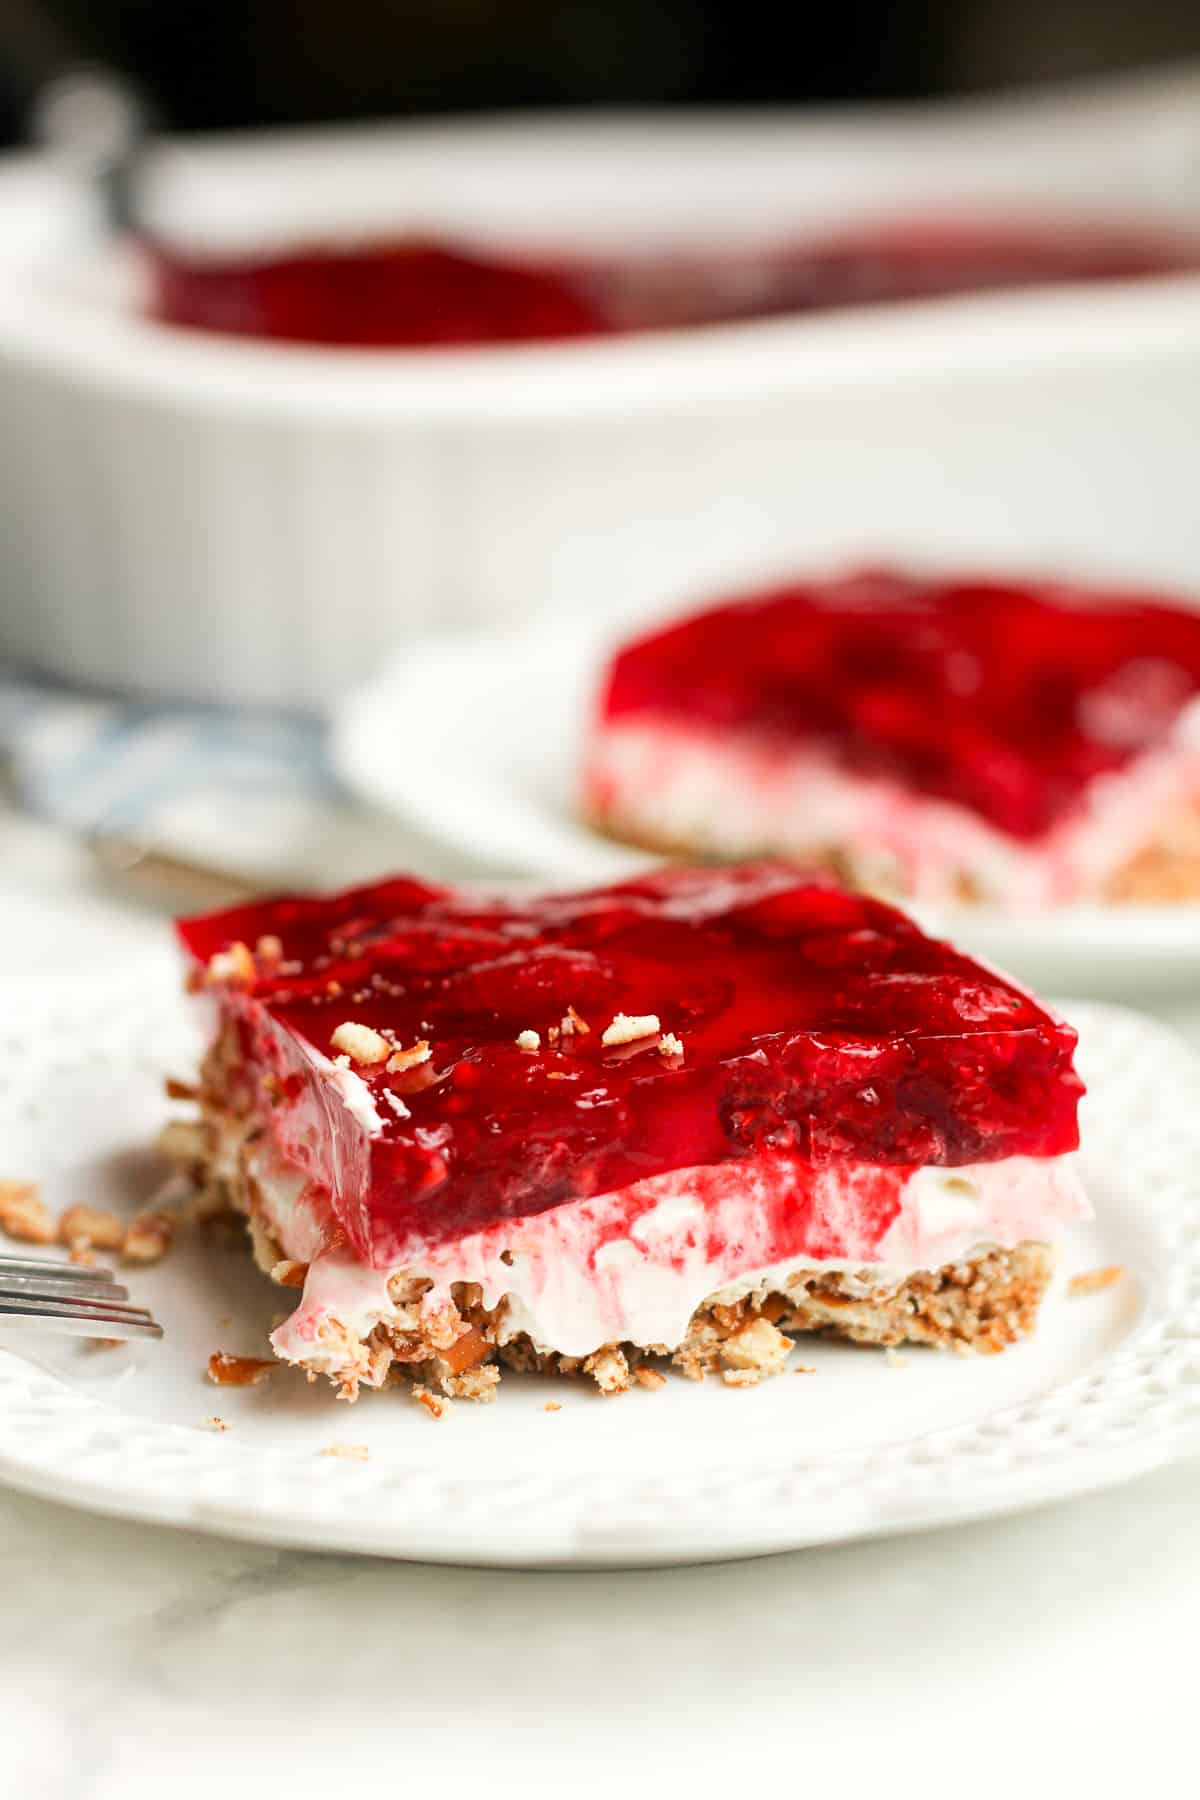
x: 811, y: 1022
x: 1006, y: 699
x: 426, y: 293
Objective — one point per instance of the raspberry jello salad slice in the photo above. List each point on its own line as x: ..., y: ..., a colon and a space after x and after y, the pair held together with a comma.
x: 931, y: 740
x: 672, y: 1121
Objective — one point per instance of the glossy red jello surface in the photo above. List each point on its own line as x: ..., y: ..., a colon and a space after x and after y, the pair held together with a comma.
x: 427, y: 293
x: 811, y: 1022
x: 1007, y: 699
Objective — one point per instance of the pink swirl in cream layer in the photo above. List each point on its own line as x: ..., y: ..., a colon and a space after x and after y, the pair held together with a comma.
x: 635, y: 1264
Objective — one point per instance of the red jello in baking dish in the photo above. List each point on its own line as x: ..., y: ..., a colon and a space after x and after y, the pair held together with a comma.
x: 429, y: 292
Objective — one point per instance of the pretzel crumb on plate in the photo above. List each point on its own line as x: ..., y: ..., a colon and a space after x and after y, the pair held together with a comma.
x: 239, y: 1371
x: 1094, y: 1281
x: 24, y: 1215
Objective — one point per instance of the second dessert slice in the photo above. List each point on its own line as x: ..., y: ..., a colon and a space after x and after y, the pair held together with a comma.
x: 928, y: 739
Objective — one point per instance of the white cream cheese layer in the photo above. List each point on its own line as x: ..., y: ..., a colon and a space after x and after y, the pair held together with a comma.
x: 634, y: 1265
x: 744, y: 797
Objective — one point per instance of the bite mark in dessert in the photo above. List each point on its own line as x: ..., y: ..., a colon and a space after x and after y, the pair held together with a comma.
x: 928, y: 739
x: 802, y: 1115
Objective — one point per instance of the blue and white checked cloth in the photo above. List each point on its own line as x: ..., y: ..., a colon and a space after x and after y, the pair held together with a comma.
x: 245, y: 792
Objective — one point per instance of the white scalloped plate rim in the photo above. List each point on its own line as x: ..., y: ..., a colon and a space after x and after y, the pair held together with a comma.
x: 499, y: 719
x: 1135, y: 1407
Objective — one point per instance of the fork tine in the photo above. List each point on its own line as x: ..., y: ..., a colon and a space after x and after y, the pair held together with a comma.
x: 20, y: 1287
x: 89, y: 1317
x: 45, y: 1265
x: 76, y: 1325
x: 54, y: 1303
x: 70, y: 1297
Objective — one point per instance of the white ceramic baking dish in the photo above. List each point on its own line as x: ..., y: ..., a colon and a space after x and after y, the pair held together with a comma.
x: 181, y: 513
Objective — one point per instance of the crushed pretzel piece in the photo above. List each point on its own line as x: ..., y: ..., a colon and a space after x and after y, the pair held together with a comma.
x: 434, y: 1405
x: 411, y: 1058
x: 466, y: 1350
x: 175, y: 1089
x: 207, y: 1202
x: 758, y: 1349
x: 608, y: 1369
x: 148, y: 1238
x: 91, y: 1228
x: 552, y: 1406
x: 347, y: 1452
x: 289, y: 1274
x: 628, y: 1028
x: 572, y: 1021
x: 238, y: 1371
x: 1094, y: 1281
x: 231, y: 968
x: 183, y: 1142
x: 647, y: 1377
x: 360, y: 1043
x: 478, y: 1384
x: 24, y: 1215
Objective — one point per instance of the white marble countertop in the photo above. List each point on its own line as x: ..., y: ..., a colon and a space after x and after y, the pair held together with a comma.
x: 1011, y: 1657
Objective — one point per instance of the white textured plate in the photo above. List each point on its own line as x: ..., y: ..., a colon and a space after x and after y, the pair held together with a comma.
x: 477, y: 740
x: 1110, y: 1386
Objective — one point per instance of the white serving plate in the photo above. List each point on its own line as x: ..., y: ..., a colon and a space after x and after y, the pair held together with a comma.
x: 477, y: 741
x: 187, y: 514
x: 1109, y: 1387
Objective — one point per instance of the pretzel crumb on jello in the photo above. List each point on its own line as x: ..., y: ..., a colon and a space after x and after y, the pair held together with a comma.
x: 360, y: 1043
x: 627, y: 1029
x: 233, y: 967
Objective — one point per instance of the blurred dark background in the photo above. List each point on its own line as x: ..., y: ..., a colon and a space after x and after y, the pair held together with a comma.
x: 222, y: 63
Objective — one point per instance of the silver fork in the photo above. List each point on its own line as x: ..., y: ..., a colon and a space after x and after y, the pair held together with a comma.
x: 56, y: 1296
